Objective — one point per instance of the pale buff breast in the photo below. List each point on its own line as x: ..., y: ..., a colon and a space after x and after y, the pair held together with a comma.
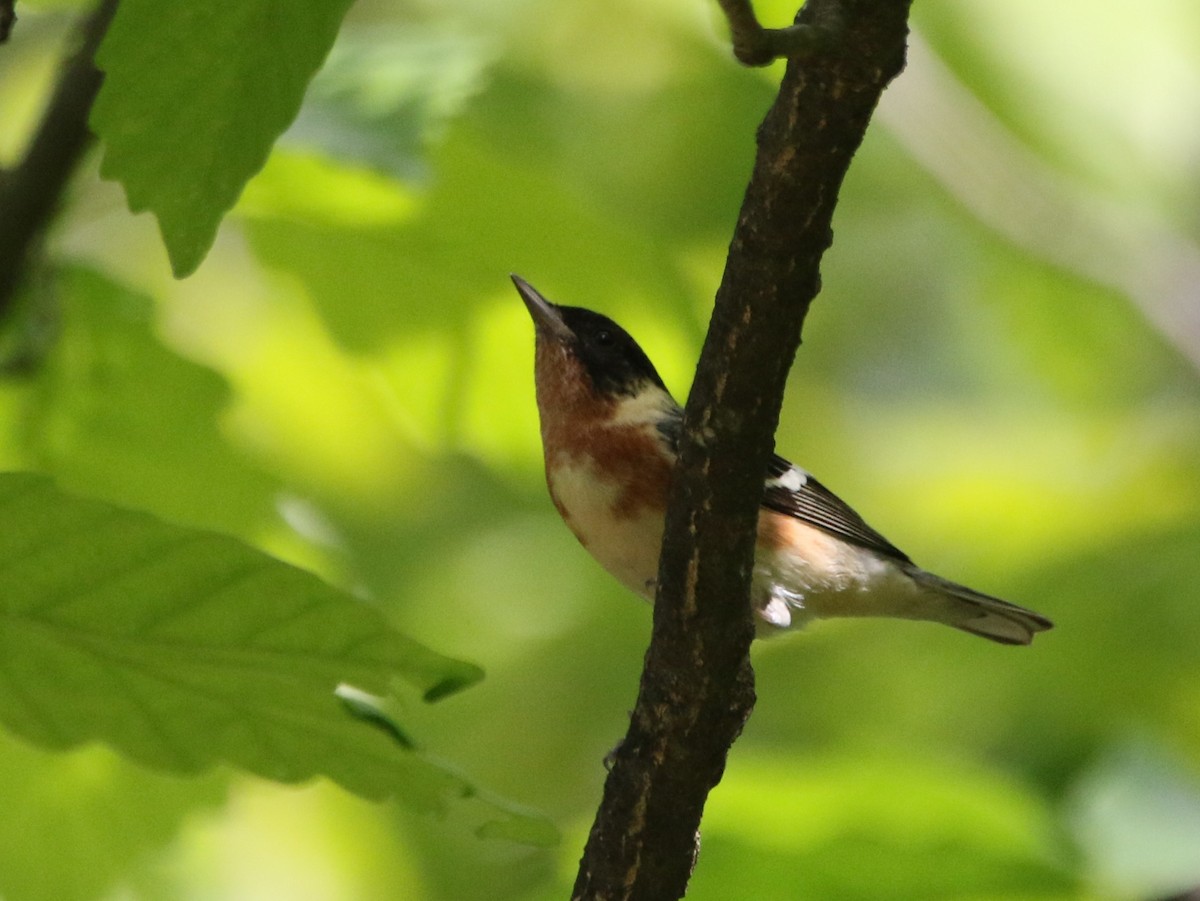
x: 607, y: 468
x: 624, y: 539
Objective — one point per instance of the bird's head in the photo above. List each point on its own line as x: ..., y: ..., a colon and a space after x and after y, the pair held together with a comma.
x: 584, y: 359
x: 609, y: 425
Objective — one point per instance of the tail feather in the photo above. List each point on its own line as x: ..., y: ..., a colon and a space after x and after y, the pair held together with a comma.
x: 981, y: 614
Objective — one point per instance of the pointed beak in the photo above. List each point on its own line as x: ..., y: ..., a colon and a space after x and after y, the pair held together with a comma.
x: 546, y: 316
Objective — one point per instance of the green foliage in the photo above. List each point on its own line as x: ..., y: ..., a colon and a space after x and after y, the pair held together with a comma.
x: 1136, y: 813
x: 109, y: 389
x: 344, y: 383
x: 88, y: 818
x: 185, y: 648
x: 194, y: 96
x: 384, y: 95
x: 843, y: 828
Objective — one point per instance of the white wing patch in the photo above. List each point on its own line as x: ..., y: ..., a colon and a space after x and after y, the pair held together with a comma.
x: 792, y: 479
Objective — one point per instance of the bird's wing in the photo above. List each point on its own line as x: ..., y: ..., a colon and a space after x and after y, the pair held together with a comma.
x: 792, y: 491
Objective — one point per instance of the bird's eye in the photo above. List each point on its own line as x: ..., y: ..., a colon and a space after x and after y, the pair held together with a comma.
x: 604, y: 337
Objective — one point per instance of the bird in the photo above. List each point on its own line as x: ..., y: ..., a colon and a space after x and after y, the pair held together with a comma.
x: 610, y: 433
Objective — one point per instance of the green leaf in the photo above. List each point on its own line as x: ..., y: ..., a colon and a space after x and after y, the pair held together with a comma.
x: 504, y: 819
x: 194, y: 96
x: 182, y: 648
x: 118, y: 415
x: 72, y: 825
x: 519, y: 825
x: 842, y: 826
x: 370, y: 709
x: 384, y: 93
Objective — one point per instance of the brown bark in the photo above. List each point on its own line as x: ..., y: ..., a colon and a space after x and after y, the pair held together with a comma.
x: 697, y: 687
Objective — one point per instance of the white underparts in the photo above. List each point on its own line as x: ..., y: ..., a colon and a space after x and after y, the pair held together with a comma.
x: 825, y: 577
x: 627, y: 547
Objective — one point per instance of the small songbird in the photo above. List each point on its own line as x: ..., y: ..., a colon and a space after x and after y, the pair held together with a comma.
x: 610, y: 432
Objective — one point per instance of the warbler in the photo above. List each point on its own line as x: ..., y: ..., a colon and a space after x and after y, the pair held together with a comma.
x: 610, y: 434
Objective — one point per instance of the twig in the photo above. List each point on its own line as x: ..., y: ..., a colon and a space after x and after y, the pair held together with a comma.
x: 697, y: 686
x: 754, y: 45
x: 8, y: 17
x: 30, y: 192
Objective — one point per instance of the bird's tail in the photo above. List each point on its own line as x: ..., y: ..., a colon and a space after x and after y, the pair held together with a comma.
x: 981, y: 614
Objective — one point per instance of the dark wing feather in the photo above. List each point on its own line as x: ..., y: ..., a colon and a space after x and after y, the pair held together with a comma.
x: 813, y: 503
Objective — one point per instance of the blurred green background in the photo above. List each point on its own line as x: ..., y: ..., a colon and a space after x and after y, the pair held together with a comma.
x: 1001, y: 374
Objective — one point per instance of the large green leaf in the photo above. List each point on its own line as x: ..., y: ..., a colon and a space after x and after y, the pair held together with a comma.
x: 183, y: 648
x: 194, y: 96
x: 118, y: 415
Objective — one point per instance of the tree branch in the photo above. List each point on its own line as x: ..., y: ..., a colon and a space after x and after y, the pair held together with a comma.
x: 697, y: 687
x: 754, y: 45
x: 30, y: 192
x: 8, y: 17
